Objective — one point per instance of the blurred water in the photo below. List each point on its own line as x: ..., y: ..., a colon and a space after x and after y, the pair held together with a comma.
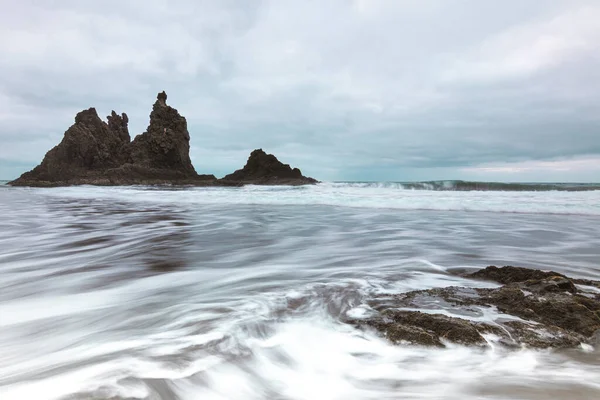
x: 239, y: 293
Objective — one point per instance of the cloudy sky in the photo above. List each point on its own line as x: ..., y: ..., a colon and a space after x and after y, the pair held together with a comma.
x: 344, y: 89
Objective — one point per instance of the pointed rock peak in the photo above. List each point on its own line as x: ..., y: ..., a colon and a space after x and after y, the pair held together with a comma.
x: 118, y: 123
x: 118, y: 120
x: 87, y: 116
x: 261, y: 156
x: 165, y: 144
x: 257, y: 153
x: 162, y: 98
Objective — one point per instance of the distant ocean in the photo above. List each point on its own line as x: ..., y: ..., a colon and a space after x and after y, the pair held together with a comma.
x: 241, y: 293
x: 468, y: 185
x: 483, y: 186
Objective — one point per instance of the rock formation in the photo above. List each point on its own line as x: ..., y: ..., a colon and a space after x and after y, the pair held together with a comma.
x: 96, y: 152
x: 101, y: 153
x: 535, y: 308
x: 265, y: 169
x: 166, y: 142
x: 88, y: 148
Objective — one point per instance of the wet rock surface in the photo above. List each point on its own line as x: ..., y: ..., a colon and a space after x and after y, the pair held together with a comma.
x: 415, y: 327
x: 265, y: 169
x: 540, y: 309
x: 102, y: 153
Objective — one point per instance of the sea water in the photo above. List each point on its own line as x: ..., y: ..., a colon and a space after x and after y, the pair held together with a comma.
x: 242, y: 293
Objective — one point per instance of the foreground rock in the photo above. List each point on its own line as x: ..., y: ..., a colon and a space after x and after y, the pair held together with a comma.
x: 533, y: 308
x: 101, y: 153
x: 265, y: 169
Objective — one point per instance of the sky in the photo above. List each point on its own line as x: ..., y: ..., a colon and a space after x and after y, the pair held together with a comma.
x: 370, y: 90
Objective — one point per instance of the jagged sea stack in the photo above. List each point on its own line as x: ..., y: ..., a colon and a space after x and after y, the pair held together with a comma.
x: 265, y: 169
x: 88, y: 148
x: 94, y: 152
x: 100, y: 153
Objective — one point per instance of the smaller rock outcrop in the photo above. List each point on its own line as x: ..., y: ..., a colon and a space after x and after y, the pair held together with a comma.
x: 540, y: 309
x: 265, y: 169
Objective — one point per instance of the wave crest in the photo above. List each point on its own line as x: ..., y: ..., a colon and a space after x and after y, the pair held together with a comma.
x: 458, y: 185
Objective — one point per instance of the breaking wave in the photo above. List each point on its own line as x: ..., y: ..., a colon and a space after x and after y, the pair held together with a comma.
x: 457, y: 185
x: 355, y: 195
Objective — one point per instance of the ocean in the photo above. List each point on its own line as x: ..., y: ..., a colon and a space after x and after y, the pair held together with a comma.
x: 241, y: 293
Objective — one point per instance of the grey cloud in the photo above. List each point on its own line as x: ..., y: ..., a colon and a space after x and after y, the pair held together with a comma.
x: 343, y: 89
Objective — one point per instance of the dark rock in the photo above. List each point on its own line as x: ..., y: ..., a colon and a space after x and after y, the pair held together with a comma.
x: 511, y: 274
x: 265, y: 169
x: 427, y: 329
x: 101, y: 153
x: 89, y: 147
x: 542, y: 309
x: 554, y: 284
x: 559, y: 309
x: 166, y: 142
x: 540, y: 337
x: 162, y: 98
x: 118, y: 124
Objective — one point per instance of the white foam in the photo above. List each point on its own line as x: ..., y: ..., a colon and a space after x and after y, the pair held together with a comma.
x: 301, y: 356
x: 311, y: 359
x: 257, y: 319
x: 22, y: 311
x: 352, y: 195
x: 359, y: 312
